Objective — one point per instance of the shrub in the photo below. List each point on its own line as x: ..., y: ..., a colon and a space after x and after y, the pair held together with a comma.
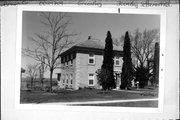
x: 80, y: 88
x: 54, y: 83
x: 142, y: 76
x: 47, y: 89
x: 102, y: 77
x: 37, y: 88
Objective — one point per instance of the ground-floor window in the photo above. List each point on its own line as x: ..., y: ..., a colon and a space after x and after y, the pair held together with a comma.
x: 58, y: 76
x: 67, y: 78
x: 91, y: 79
x: 63, y: 77
x: 71, y: 78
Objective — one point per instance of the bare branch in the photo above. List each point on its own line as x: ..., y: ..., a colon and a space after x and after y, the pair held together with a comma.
x: 32, y: 70
x: 50, y: 43
x: 142, y: 46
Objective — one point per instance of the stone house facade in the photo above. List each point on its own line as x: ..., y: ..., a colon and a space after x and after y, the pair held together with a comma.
x: 80, y: 63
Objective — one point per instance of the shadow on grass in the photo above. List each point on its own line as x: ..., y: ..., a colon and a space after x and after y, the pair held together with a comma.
x: 152, y: 104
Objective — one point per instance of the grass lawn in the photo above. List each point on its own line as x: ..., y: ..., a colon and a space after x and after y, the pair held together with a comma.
x: 152, y: 104
x: 79, y: 96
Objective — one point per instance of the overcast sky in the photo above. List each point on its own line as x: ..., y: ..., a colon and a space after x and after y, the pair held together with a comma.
x: 89, y: 24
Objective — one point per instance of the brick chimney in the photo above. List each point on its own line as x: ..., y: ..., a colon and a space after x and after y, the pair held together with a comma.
x: 89, y: 37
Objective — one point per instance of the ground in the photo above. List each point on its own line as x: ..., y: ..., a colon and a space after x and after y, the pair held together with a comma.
x: 152, y: 104
x: 84, y: 95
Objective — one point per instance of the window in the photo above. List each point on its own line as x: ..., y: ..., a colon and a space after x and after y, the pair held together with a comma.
x: 117, y: 61
x: 58, y: 76
x: 91, y: 82
x: 71, y: 62
x: 63, y: 79
x: 91, y: 79
x: 67, y: 58
x: 91, y: 58
x: 71, y: 78
x: 67, y: 64
x: 71, y: 56
x: 67, y: 78
x: 63, y: 64
x: 62, y: 59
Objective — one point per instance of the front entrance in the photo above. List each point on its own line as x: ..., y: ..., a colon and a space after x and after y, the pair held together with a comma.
x: 117, y: 75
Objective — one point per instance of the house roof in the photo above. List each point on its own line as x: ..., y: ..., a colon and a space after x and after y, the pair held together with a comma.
x: 92, y: 44
x: 95, y: 43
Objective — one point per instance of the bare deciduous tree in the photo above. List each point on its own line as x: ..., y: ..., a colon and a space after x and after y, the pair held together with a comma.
x: 50, y: 43
x: 143, y: 45
x: 116, y: 42
x: 32, y: 72
x: 41, y: 73
x: 143, y: 52
x: 142, y: 48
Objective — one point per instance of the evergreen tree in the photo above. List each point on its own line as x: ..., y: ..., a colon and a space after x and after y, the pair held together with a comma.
x: 156, y: 64
x: 141, y: 75
x: 127, y: 70
x: 108, y: 64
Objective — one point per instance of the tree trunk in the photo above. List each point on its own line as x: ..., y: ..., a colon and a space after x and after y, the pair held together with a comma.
x: 42, y: 86
x: 31, y: 83
x: 51, y: 73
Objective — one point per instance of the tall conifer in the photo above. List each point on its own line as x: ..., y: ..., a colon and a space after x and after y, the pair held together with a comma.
x: 156, y: 64
x: 127, y: 70
x: 108, y: 63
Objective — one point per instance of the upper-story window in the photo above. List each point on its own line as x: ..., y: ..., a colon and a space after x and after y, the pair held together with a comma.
x: 117, y: 61
x: 71, y: 62
x: 66, y: 64
x: 63, y: 64
x: 62, y: 59
x: 91, y: 58
x: 71, y: 56
x: 71, y: 59
x: 67, y: 58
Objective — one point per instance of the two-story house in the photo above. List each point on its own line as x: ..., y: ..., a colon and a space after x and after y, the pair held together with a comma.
x: 80, y: 63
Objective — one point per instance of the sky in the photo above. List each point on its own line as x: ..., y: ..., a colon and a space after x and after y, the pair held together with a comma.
x: 87, y: 24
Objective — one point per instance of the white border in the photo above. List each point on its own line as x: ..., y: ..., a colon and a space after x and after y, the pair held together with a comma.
x: 162, y: 14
